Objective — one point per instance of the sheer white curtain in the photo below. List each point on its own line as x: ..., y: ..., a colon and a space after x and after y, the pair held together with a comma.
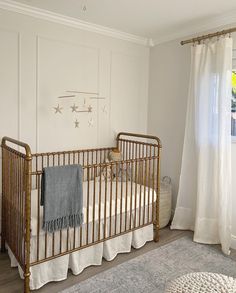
x: 204, y: 198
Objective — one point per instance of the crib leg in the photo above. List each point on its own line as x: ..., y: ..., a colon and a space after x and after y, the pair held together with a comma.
x: 26, y: 282
x: 156, y: 232
x: 3, y: 247
x: 3, y: 244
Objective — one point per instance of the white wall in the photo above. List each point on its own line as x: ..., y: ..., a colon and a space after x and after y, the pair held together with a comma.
x: 168, y: 88
x: 40, y: 60
x: 168, y: 92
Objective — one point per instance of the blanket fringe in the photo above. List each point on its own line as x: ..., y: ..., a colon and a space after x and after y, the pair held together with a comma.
x: 63, y: 222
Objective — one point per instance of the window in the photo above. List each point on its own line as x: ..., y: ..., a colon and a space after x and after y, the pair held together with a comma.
x: 233, y: 99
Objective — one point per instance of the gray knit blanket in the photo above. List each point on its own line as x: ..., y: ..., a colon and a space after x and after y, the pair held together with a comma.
x: 62, y: 197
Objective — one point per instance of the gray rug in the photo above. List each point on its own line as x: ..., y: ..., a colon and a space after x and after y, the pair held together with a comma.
x: 151, y: 272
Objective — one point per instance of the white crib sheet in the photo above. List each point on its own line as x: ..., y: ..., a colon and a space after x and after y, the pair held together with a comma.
x: 142, y: 192
x: 57, y: 269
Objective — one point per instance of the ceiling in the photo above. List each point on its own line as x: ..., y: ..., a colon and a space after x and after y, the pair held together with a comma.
x: 146, y: 18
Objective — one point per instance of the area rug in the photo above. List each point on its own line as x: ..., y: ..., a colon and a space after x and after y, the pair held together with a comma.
x: 152, y: 271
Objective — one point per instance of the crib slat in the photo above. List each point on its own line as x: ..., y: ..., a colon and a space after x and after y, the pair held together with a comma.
x: 105, y: 204
x: 12, y: 204
x: 116, y: 166
x: 140, y: 179
x: 121, y: 195
x: 21, y: 208
x: 126, y: 194
x: 67, y: 239
x: 131, y: 196
x: 129, y: 150
x: 46, y: 242
x: 20, y: 198
x: 111, y: 201
x: 87, y: 155
x: 17, y: 205
x: 123, y: 148
x: 145, y: 185
x: 38, y: 213
x: 87, y: 232
x: 94, y: 199
x: 46, y: 234
x: 135, y: 198
x: 99, y: 204
x: 60, y: 247
x: 149, y: 183
x: 53, y: 234
x: 64, y: 158
x: 74, y: 237
x: 10, y: 201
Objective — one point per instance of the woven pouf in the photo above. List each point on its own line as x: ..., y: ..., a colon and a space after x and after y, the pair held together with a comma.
x: 202, y: 282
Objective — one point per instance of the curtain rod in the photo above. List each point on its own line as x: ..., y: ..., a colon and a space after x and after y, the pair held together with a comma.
x: 209, y: 36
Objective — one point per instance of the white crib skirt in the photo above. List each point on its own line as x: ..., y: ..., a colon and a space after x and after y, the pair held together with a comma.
x: 90, y: 256
x: 57, y: 269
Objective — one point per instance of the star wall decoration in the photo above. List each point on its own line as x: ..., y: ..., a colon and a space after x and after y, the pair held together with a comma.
x: 77, y: 123
x: 90, y: 122
x: 58, y: 109
x: 81, y: 106
x: 90, y: 108
x: 74, y: 108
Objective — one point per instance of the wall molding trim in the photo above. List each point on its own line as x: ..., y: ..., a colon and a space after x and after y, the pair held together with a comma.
x: 196, y: 28
x: 17, y: 7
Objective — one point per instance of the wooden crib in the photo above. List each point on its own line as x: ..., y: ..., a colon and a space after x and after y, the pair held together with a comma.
x: 106, y: 198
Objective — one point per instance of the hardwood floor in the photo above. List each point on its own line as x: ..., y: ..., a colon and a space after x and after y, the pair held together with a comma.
x: 10, y: 281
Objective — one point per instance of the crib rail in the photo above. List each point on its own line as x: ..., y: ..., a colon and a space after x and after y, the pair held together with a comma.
x: 145, y: 147
x: 119, y: 197
x: 16, y: 201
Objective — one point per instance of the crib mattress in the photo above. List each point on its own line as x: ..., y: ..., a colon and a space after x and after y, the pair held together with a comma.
x: 123, y: 203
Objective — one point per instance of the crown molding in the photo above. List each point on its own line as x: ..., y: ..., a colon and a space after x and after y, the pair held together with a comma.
x: 189, y: 29
x: 72, y: 22
x: 195, y: 28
